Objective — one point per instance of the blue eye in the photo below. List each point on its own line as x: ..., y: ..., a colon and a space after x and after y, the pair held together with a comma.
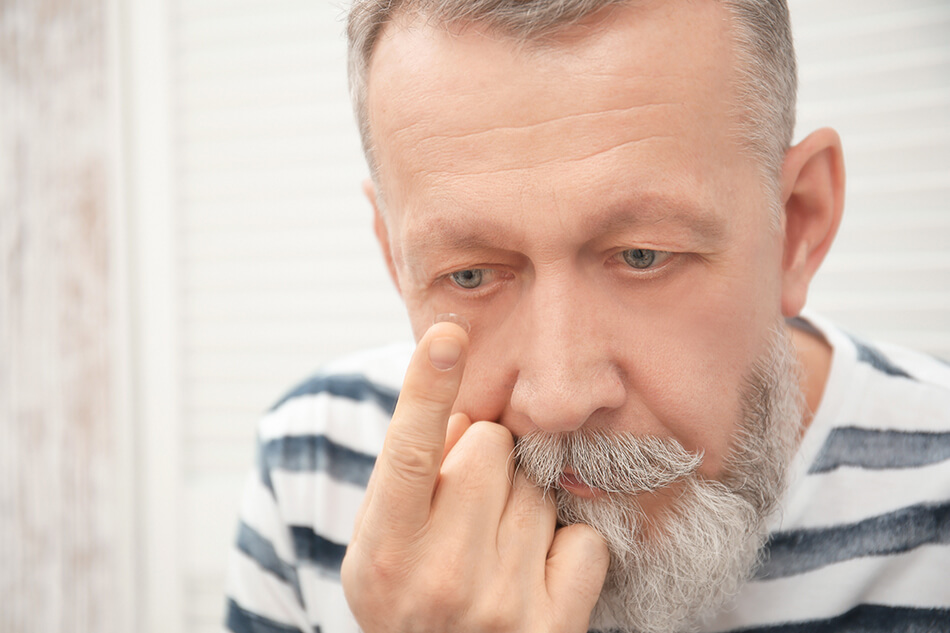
x: 641, y: 258
x: 468, y: 279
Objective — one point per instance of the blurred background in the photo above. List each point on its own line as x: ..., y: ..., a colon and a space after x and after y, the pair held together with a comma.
x: 183, y: 238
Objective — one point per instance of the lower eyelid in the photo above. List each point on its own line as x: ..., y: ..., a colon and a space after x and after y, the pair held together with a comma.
x: 488, y: 276
x: 663, y: 258
x: 493, y: 277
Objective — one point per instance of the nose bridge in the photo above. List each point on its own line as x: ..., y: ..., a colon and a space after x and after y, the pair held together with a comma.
x: 558, y: 320
x: 565, y: 370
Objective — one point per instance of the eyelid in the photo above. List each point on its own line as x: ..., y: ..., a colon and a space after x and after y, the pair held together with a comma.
x: 662, y: 260
x: 490, y: 276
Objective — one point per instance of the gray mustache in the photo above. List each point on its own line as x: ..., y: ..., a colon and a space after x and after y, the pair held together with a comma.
x: 613, y: 462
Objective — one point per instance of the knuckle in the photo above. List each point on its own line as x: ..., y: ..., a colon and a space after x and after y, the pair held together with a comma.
x: 376, y: 572
x: 530, y: 511
x: 494, y: 434
x: 445, y: 592
x: 496, y: 615
x: 408, y: 461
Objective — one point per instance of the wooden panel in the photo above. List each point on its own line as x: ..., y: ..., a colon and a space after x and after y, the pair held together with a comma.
x: 60, y: 515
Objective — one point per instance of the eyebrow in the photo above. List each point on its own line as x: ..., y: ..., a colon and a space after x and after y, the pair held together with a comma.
x: 457, y: 232
x: 454, y: 233
x: 701, y: 223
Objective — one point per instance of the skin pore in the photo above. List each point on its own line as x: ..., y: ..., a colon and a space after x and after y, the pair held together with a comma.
x: 585, y: 204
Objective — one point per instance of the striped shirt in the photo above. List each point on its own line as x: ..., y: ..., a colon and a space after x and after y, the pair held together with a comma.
x: 861, y: 542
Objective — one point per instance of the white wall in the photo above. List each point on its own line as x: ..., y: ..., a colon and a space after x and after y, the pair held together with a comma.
x: 879, y: 72
x: 253, y: 258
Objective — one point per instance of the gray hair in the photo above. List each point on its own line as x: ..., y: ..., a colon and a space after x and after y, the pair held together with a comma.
x: 765, y: 94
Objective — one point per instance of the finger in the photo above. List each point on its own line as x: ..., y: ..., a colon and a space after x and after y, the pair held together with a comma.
x: 529, y: 520
x: 408, y: 466
x: 473, y: 485
x: 576, y: 567
x: 458, y: 424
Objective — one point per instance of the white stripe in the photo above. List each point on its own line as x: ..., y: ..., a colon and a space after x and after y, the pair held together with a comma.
x: 259, y: 511
x: 828, y: 499
x: 314, y: 499
x: 915, y: 579
x: 263, y: 593
x: 921, y: 366
x: 900, y: 401
x: 325, y: 600
x: 384, y: 366
x: 360, y: 426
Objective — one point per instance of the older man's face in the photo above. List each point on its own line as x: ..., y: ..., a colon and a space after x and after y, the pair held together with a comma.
x: 586, y: 206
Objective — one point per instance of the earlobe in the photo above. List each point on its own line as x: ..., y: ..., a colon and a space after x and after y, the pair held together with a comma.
x: 382, y: 231
x: 813, y: 198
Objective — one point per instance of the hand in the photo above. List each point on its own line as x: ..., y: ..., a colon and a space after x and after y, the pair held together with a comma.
x: 449, y: 538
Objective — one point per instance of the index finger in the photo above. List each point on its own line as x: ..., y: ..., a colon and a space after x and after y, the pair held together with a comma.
x: 408, y: 466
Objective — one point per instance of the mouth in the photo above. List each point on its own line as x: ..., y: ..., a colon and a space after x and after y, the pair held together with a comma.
x: 570, y: 482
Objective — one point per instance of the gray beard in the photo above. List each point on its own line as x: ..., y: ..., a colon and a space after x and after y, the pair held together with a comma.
x: 669, y: 572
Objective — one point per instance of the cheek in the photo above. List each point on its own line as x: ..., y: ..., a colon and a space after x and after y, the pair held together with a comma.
x: 490, y: 374
x: 484, y: 394
x: 488, y: 378
x: 694, y: 349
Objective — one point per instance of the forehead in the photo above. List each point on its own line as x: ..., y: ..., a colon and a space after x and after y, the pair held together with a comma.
x: 636, y: 95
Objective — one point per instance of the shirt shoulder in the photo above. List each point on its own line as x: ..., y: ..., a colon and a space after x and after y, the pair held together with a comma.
x: 879, y: 385
x: 862, y: 533
x: 317, y: 447
x: 348, y: 401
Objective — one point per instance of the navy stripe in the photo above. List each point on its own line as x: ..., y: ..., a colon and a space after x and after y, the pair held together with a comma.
x: 876, y: 359
x: 313, y: 549
x: 262, y: 551
x: 868, y: 618
x: 353, y: 387
x: 242, y: 621
x: 877, y: 449
x: 799, y: 551
x: 314, y: 453
x: 805, y: 326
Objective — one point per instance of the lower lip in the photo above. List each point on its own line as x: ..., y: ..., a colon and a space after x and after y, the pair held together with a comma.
x: 578, y: 488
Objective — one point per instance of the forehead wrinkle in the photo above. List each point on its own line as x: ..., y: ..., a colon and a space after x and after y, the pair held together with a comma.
x: 575, y: 116
x: 556, y: 160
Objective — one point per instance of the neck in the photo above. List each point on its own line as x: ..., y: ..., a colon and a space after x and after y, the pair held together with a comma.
x: 814, y: 355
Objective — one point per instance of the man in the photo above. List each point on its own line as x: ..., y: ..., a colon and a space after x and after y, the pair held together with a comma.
x: 614, y: 416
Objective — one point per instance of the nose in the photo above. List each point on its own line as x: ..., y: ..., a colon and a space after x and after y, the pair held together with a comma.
x: 566, y: 370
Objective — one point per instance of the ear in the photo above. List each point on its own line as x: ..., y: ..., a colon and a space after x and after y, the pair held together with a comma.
x: 381, y: 230
x: 813, y: 199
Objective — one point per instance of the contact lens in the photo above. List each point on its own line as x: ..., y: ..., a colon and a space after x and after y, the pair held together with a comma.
x: 452, y: 317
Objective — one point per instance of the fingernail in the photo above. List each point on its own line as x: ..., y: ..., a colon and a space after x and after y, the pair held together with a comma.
x: 444, y: 353
x: 457, y: 319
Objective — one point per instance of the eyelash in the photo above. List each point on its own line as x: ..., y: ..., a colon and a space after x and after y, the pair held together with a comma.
x: 492, y: 274
x: 653, y: 266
